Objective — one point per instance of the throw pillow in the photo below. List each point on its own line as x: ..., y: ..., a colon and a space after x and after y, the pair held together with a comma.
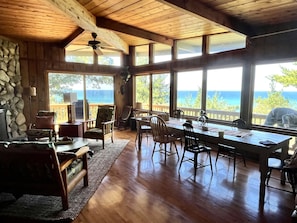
x: 44, y: 122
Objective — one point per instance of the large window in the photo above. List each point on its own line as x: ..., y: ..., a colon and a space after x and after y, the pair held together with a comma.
x: 225, y: 42
x: 224, y: 93
x: 99, y: 90
x: 110, y: 57
x: 160, y: 92
x: 275, y: 95
x: 142, y: 55
x: 189, y: 87
x: 142, y: 91
x: 162, y: 53
x: 79, y: 54
x: 158, y: 97
x: 187, y: 48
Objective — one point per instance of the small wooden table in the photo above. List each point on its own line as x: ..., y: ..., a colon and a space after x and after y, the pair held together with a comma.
x: 77, y: 143
x: 72, y: 129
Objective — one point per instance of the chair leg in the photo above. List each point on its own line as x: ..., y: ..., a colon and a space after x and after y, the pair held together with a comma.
x: 165, y: 151
x: 234, y: 161
x: 268, y: 176
x: 195, y: 163
x: 176, y: 150
x: 210, y: 162
x: 218, y: 152
x: 154, y: 149
x: 183, y: 156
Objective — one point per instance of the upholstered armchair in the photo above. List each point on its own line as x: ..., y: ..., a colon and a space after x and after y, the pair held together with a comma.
x: 104, y: 125
x: 36, y: 168
x: 44, y: 126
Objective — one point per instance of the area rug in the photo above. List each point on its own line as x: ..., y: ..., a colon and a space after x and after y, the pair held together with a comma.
x: 31, y: 208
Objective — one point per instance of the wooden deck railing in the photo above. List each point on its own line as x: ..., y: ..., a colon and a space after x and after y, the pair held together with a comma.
x: 61, y: 111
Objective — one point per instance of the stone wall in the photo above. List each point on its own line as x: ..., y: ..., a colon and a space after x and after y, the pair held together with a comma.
x: 11, y: 89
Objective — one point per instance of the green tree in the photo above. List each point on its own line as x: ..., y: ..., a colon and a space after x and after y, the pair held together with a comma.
x: 142, y: 89
x: 287, y: 78
x: 274, y: 99
x: 216, y: 102
x: 160, y: 89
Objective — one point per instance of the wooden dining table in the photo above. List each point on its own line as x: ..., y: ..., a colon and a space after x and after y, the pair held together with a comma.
x: 249, y: 141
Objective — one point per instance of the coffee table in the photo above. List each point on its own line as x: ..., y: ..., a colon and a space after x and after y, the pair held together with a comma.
x: 76, y: 144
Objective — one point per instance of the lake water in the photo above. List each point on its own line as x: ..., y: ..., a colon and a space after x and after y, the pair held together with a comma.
x: 231, y: 97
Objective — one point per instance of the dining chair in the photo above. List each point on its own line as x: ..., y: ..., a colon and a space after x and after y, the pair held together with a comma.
x: 232, y: 152
x: 287, y: 167
x: 143, y: 128
x: 195, y: 146
x: 162, y: 135
x: 178, y: 113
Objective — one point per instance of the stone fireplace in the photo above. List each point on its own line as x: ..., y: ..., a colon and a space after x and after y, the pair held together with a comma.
x: 11, y: 89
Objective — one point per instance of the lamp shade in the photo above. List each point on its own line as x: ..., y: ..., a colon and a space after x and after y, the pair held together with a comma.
x: 30, y: 91
x: 138, y: 105
x: 70, y: 97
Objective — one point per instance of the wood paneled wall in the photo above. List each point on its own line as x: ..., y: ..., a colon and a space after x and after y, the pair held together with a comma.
x: 37, y: 59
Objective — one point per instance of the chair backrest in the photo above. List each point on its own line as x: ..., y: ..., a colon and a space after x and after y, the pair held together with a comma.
x: 126, y: 113
x: 159, y: 128
x: 105, y: 113
x: 240, y: 123
x: 30, y: 168
x: 191, y: 139
x: 178, y: 113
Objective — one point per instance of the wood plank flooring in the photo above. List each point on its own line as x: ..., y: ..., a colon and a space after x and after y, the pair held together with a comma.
x: 139, y: 188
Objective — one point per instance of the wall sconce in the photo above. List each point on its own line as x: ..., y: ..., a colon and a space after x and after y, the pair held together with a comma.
x: 30, y: 92
x: 70, y: 98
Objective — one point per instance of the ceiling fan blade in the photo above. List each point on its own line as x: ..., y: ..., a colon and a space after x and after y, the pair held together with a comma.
x: 82, y: 48
x: 98, y: 51
x: 110, y: 48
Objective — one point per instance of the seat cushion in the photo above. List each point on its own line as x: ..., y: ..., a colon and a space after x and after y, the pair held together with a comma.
x: 93, y: 133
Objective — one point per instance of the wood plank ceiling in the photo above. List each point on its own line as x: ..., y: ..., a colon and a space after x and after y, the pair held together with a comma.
x: 120, y: 23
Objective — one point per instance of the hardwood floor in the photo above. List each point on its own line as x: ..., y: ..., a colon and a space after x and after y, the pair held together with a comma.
x: 141, y: 189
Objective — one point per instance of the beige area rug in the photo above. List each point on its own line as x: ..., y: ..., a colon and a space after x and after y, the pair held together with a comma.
x: 31, y: 208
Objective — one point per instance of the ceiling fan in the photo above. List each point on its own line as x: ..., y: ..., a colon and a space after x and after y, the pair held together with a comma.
x: 96, y: 45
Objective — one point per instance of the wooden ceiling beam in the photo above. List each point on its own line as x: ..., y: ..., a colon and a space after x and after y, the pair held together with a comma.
x: 72, y: 37
x: 131, y: 30
x: 195, y: 7
x: 87, y: 21
x: 269, y: 30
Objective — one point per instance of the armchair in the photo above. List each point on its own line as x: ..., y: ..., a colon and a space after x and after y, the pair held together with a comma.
x: 36, y: 168
x: 104, y: 125
x: 44, y: 126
